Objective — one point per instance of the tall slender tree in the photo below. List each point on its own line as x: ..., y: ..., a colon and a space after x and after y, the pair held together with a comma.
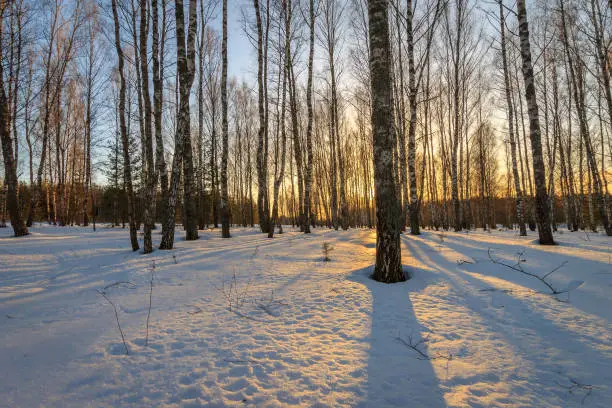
x: 8, y: 153
x: 541, y: 199
x: 520, y: 202
x: 158, y: 80
x: 388, y: 266
x: 185, y: 61
x: 280, y: 162
x: 262, y: 178
x: 309, y: 106
x: 125, y: 142
x: 147, y: 136
x: 225, y: 209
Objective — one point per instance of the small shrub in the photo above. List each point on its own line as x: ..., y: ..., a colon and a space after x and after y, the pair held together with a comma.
x: 326, y: 248
x: 235, y: 294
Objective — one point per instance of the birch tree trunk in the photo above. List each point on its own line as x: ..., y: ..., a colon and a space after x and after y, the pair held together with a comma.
x: 401, y: 110
x: 456, y: 134
x: 225, y: 211
x: 185, y: 60
x: 200, y: 142
x: 388, y: 266
x: 266, y: 150
x: 541, y: 196
x: 520, y: 203
x: 158, y: 98
x: 10, y: 165
x: 309, y: 105
x: 147, y: 138
x: 189, y: 189
x: 412, y: 100
x: 127, y: 167
x: 293, y: 107
x: 331, y: 33
x: 282, y: 67
x: 262, y: 179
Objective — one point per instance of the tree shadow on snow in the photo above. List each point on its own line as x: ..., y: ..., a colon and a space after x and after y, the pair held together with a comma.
x: 534, y: 325
x: 539, y: 260
x: 397, y: 375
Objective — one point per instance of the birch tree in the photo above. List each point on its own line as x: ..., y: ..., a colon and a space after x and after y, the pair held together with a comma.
x: 224, y: 207
x: 262, y: 154
x: 520, y: 203
x: 388, y: 266
x: 541, y: 198
x: 8, y: 152
x: 127, y: 165
x: 309, y: 126
x: 185, y: 60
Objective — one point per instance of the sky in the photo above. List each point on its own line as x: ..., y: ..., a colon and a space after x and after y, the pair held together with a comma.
x: 242, y: 58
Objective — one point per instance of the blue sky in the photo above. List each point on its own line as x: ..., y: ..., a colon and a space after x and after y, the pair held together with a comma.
x: 242, y: 59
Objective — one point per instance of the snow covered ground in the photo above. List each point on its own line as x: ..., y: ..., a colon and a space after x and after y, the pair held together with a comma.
x: 256, y: 322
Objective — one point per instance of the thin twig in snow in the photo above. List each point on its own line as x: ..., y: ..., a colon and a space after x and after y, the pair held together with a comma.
x: 150, y: 302
x: 517, y: 267
x: 101, y: 292
x: 423, y: 356
x: 127, y: 284
x: 576, y: 385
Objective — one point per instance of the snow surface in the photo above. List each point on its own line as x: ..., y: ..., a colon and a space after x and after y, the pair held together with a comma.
x: 302, y: 332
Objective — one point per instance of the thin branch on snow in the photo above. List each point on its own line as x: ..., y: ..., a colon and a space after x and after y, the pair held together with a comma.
x: 576, y: 385
x: 555, y: 270
x: 422, y: 354
x: 266, y: 304
x: 519, y: 268
x: 126, y: 284
x: 101, y: 292
x: 150, y: 302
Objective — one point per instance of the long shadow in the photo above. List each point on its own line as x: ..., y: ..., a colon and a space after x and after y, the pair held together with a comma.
x: 440, y: 263
x: 478, y: 244
x: 542, y: 264
x: 578, y: 355
x: 397, y: 376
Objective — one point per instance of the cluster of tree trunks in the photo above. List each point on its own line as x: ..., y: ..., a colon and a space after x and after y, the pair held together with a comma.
x: 414, y: 127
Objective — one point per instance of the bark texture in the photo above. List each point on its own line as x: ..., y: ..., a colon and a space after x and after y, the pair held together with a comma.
x: 185, y: 67
x: 8, y: 154
x: 262, y: 154
x: 388, y: 266
x: 225, y: 211
x: 125, y: 143
x: 541, y: 197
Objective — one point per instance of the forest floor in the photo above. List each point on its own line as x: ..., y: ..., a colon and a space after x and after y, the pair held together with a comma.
x: 249, y: 321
